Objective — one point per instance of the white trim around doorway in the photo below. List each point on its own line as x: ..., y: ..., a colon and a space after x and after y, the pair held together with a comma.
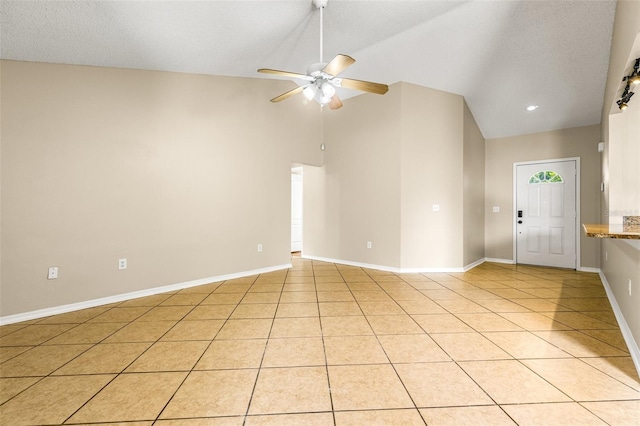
x: 514, y: 206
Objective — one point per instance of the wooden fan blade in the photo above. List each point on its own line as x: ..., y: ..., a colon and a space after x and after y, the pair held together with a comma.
x: 288, y: 94
x: 285, y: 74
x: 335, y: 102
x: 338, y: 64
x: 365, y: 86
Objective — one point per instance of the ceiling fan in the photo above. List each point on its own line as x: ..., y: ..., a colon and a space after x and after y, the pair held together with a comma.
x: 322, y: 77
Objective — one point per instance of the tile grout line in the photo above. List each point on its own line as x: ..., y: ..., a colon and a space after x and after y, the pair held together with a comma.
x: 266, y: 346
x: 393, y: 366
x: 50, y: 374
x: 164, y: 407
x: 324, y: 347
x: 134, y: 360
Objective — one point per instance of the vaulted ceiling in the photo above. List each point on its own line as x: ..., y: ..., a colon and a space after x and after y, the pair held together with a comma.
x: 500, y: 55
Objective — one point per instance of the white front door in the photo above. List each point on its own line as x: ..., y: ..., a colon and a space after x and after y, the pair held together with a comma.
x: 546, y: 214
x: 296, y: 210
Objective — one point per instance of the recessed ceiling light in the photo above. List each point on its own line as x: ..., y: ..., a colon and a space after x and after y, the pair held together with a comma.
x: 532, y: 107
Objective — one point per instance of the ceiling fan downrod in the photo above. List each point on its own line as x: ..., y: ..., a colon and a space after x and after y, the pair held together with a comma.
x: 320, y: 4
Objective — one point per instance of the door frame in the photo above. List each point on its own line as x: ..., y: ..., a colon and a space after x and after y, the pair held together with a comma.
x: 515, y: 200
x: 297, y: 170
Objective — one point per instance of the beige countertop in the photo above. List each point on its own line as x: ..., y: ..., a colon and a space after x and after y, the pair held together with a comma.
x: 627, y: 232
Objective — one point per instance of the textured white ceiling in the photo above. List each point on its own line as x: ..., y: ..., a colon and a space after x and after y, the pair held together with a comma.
x: 500, y: 55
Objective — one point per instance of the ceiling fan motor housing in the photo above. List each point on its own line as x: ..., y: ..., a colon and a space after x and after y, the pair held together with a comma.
x: 320, y: 3
x: 315, y: 70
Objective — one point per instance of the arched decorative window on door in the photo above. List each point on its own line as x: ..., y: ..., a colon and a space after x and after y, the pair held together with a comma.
x: 546, y: 176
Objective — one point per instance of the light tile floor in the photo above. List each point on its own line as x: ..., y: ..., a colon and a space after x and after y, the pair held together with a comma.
x: 325, y: 344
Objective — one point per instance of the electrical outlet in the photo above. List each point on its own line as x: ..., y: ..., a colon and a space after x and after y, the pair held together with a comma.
x: 53, y: 273
x: 259, y: 248
x: 368, y: 244
x: 122, y: 263
x: 436, y: 207
x: 629, y: 286
x: 496, y: 209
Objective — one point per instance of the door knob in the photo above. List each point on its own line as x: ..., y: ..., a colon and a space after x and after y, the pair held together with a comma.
x: 519, y: 221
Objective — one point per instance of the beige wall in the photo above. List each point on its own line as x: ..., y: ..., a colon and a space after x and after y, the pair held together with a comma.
x: 183, y: 175
x: 620, y: 260
x: 502, y: 153
x: 623, y: 264
x: 473, y: 190
x: 355, y: 197
x: 388, y: 160
x: 431, y: 173
x: 623, y: 144
x: 0, y: 182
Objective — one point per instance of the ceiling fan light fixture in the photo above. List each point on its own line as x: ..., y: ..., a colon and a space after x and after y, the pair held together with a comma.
x: 328, y: 90
x: 310, y: 91
x: 321, y: 99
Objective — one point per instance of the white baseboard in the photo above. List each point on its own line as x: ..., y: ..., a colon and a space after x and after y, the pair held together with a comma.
x: 496, y: 260
x: 474, y: 264
x: 512, y: 262
x: 632, y: 345
x: 392, y: 268
x: 41, y: 313
x: 350, y: 263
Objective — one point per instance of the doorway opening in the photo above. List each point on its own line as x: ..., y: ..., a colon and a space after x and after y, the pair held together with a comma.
x: 546, y: 213
x: 296, y: 210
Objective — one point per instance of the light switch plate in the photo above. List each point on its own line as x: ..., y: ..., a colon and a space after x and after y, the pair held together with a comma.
x: 53, y: 273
